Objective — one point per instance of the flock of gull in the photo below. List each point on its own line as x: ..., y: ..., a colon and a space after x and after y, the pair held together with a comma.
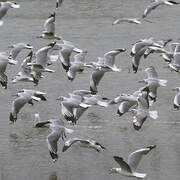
x: 35, y: 64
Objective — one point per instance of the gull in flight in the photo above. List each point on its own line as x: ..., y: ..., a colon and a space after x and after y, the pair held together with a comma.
x: 177, y: 98
x: 25, y: 75
x: 129, y: 20
x: 17, y: 48
x: 40, y: 64
x: 58, y: 131
x: 153, y: 82
x: 84, y: 143
x: 65, y: 51
x: 19, y: 103
x: 4, y: 61
x: 139, y: 48
x: 68, y: 104
x: 4, y: 6
x: 157, y: 3
x: 129, y: 168
x: 58, y: 3
x: 142, y: 111
x: 127, y: 100
x: 77, y: 65
x: 49, y: 26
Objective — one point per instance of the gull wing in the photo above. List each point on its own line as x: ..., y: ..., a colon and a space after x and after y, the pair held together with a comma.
x: 135, y: 157
x: 124, y: 166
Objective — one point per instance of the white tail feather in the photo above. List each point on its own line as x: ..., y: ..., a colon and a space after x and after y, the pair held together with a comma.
x: 35, y: 98
x: 153, y: 114
x: 1, y: 22
x: 101, y: 103
x: 54, y: 58
x: 163, y: 82
x: 84, y: 105
x: 70, y: 131
x: 11, y: 61
x: 139, y: 175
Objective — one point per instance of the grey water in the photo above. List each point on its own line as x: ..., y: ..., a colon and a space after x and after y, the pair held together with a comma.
x: 88, y: 23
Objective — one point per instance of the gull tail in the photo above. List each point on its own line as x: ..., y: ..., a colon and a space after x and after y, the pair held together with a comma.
x: 54, y: 58
x: 163, y: 82
x: 69, y: 131
x: 84, y: 105
x: 1, y: 22
x: 139, y: 175
x: 153, y: 114
x: 49, y: 70
x: 104, y: 104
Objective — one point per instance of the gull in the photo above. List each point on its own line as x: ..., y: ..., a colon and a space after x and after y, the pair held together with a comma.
x: 68, y: 104
x: 84, y: 143
x: 19, y: 103
x: 136, y: 59
x: 34, y: 93
x: 142, y: 111
x: 129, y: 168
x: 129, y: 20
x: 127, y: 101
x: 153, y: 82
x: 96, y: 75
x: 52, y: 139
x: 105, y: 64
x: 139, y: 48
x: 4, y: 60
x: 49, y: 26
x: 65, y: 51
x: 25, y: 73
x: 41, y: 60
x: 17, y: 48
x: 175, y: 64
x: 76, y: 66
x: 157, y: 3
x: 169, y: 54
x: 91, y: 100
x: 58, y: 3
x: 109, y: 60
x: 4, y: 6
x: 95, y: 78
x: 154, y: 49
x: 143, y: 43
x: 177, y: 98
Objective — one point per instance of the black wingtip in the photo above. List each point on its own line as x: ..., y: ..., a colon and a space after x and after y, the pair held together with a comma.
x: 152, y: 98
x: 118, y: 112
x: 12, y: 118
x: 134, y: 68
x: 71, y: 79
x: 93, y: 91
x: 54, y: 156
x: 57, y: 5
x: 151, y: 147
x: 176, y: 107
x: 136, y: 127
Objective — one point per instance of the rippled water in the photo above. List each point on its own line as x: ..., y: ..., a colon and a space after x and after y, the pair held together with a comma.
x: 23, y: 149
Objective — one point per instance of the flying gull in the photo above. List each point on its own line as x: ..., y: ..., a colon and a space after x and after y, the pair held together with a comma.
x: 129, y: 168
